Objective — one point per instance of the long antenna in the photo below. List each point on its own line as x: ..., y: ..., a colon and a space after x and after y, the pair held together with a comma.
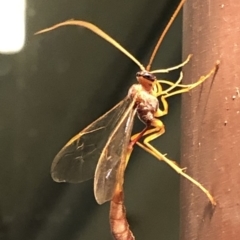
x: 163, y: 34
x: 97, y: 31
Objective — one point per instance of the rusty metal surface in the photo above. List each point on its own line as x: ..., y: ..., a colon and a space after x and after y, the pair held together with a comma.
x: 211, y: 121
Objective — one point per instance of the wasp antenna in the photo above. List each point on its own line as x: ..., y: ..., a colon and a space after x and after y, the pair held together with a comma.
x: 163, y: 34
x: 97, y: 31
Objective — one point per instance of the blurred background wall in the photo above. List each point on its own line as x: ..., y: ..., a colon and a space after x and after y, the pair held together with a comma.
x: 58, y: 84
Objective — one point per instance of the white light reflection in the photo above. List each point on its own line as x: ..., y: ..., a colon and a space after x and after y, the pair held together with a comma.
x: 12, y: 25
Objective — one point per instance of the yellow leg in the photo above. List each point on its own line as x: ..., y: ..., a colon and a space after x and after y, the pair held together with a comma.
x: 146, y: 131
x: 173, y: 85
x: 173, y: 68
x: 157, y: 124
x: 185, y: 87
x: 188, y: 87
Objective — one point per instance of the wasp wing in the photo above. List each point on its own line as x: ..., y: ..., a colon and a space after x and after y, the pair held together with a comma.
x: 77, y: 160
x: 112, y: 162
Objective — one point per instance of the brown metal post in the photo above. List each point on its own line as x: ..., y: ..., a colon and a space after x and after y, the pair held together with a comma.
x: 211, y: 121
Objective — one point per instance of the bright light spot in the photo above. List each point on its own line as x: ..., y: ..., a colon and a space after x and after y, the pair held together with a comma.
x: 12, y: 25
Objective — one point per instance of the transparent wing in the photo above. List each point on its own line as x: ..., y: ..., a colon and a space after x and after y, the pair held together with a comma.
x: 76, y: 162
x: 113, y: 158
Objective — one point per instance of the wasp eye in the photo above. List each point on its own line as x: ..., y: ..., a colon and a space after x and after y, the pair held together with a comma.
x: 149, y: 76
x: 138, y: 74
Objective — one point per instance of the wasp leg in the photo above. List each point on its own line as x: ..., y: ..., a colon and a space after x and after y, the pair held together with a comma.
x: 173, y: 68
x: 172, y: 85
x: 187, y: 88
x: 157, y: 127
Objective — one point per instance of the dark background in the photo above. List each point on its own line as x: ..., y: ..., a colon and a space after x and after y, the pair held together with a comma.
x: 61, y: 82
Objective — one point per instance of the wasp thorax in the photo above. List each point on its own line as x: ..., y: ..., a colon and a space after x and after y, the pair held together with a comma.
x: 146, y: 79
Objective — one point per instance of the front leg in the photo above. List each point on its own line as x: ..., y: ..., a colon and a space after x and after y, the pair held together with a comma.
x: 188, y: 87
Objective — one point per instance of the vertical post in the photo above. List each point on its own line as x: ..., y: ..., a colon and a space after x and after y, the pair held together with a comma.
x: 211, y: 121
